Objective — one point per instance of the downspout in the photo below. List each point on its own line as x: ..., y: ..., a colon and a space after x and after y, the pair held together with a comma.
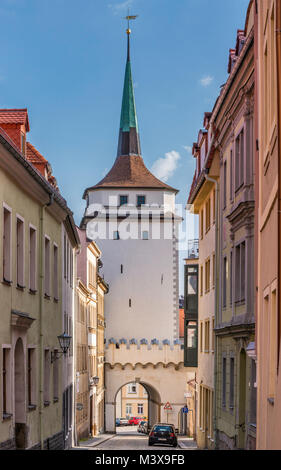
x: 41, y: 308
x: 216, y: 302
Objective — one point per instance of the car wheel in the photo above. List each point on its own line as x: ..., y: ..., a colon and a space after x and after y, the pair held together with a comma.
x: 175, y: 445
x: 150, y: 443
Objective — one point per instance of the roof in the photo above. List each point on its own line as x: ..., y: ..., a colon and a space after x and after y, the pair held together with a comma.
x: 33, y: 155
x: 130, y: 172
x: 14, y: 116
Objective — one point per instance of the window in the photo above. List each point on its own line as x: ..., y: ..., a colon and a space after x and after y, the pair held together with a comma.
x: 46, y: 377
x: 240, y: 272
x: 55, y: 279
x: 71, y: 266
x: 202, y: 224
x: 231, y: 384
x: 140, y: 408
x: 20, y: 253
x: 253, y: 393
x: 7, y: 236
x: 207, y: 276
x: 64, y: 256
x: 92, y: 273
x: 47, y: 267
x: 23, y: 141
x: 239, y: 160
x: 214, y: 270
x: 224, y: 286
x: 192, y: 335
x: 6, y: 381
x: 214, y: 206
x: 116, y: 235
x: 201, y: 336
x: 145, y: 235
x: 31, y: 377
x: 56, y: 378
x: 201, y: 280
x: 123, y: 200
x: 224, y: 381
x: 130, y: 302
x: 132, y: 388
x: 224, y: 184
x: 231, y: 278
x: 208, y: 215
x: 213, y: 334
x: 207, y: 336
x: 273, y: 345
x: 231, y: 176
x: 140, y: 200
x: 128, y: 409
x: 32, y: 259
x: 121, y: 269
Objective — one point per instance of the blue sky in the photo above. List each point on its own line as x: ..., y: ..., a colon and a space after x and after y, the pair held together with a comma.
x: 65, y: 60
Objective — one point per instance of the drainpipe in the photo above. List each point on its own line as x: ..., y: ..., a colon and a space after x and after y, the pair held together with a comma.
x: 216, y: 303
x: 41, y: 308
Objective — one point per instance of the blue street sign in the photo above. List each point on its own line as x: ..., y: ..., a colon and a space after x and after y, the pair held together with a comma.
x: 185, y: 409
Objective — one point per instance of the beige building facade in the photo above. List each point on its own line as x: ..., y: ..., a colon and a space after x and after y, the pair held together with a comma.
x: 132, y: 401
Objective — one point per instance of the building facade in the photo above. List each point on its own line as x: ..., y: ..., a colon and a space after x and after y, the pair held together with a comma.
x: 203, y: 200
x: 89, y: 341
x: 31, y: 226
x: 268, y: 60
x: 132, y: 401
x: 232, y: 122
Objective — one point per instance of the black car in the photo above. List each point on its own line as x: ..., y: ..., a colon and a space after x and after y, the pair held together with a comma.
x: 163, y: 434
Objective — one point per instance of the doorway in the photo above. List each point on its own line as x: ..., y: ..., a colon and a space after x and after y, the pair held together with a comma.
x: 19, y: 384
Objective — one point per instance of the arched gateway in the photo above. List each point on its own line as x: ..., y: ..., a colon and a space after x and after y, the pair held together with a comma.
x: 131, y: 215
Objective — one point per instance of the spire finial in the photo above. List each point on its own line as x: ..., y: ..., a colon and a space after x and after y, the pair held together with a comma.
x: 128, y: 31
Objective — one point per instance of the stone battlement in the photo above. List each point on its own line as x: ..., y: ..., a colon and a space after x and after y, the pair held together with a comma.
x: 143, y: 354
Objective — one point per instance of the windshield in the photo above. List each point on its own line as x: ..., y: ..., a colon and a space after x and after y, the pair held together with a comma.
x: 163, y: 429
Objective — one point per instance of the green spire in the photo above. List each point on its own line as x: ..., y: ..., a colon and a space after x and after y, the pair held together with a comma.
x: 128, y: 112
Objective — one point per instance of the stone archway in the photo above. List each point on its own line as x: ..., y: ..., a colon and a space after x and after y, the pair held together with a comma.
x: 19, y: 387
x: 153, y: 399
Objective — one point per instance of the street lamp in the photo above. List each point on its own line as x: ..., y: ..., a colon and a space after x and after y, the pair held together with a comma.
x: 64, y: 342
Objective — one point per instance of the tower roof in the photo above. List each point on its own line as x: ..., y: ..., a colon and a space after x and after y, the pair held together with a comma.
x: 129, y: 170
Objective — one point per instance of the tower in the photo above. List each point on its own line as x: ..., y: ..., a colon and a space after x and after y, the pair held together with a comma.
x: 131, y: 215
x: 142, y: 268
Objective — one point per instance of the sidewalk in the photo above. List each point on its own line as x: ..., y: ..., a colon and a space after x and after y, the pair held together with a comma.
x: 94, y: 441
x: 187, y: 443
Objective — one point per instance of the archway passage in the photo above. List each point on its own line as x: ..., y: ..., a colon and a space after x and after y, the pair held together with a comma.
x: 134, y: 402
x: 20, y: 413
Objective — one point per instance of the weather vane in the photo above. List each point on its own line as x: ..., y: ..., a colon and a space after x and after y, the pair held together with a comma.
x: 129, y: 18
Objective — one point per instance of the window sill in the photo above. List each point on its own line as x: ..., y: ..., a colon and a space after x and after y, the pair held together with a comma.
x: 31, y: 407
x: 271, y: 401
x: 32, y: 291
x: 56, y: 300
x: 7, y: 283
x: 46, y: 296
x: 239, y: 302
x: 47, y: 403
x: 55, y: 400
x: 6, y: 416
x: 21, y: 288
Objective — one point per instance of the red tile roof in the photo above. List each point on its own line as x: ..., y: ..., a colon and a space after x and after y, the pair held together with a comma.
x: 14, y: 116
x: 32, y: 154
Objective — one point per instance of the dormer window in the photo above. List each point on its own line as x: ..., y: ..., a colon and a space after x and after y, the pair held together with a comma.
x: 123, y: 200
x: 140, y: 200
x: 23, y: 141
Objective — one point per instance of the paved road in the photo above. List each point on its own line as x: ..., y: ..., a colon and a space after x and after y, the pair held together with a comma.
x: 128, y: 438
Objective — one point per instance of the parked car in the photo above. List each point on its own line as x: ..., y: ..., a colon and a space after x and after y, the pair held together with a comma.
x: 117, y: 422
x: 124, y: 422
x: 163, y: 434
x: 135, y: 420
x: 142, y: 427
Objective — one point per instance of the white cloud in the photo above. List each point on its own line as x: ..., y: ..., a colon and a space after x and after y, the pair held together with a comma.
x: 165, y: 167
x: 187, y: 148
x: 118, y: 7
x: 206, y: 81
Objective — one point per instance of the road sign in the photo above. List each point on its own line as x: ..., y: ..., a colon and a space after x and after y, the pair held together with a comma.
x: 185, y: 409
x: 168, y: 406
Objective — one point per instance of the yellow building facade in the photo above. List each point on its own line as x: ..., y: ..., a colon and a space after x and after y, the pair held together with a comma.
x: 32, y: 217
